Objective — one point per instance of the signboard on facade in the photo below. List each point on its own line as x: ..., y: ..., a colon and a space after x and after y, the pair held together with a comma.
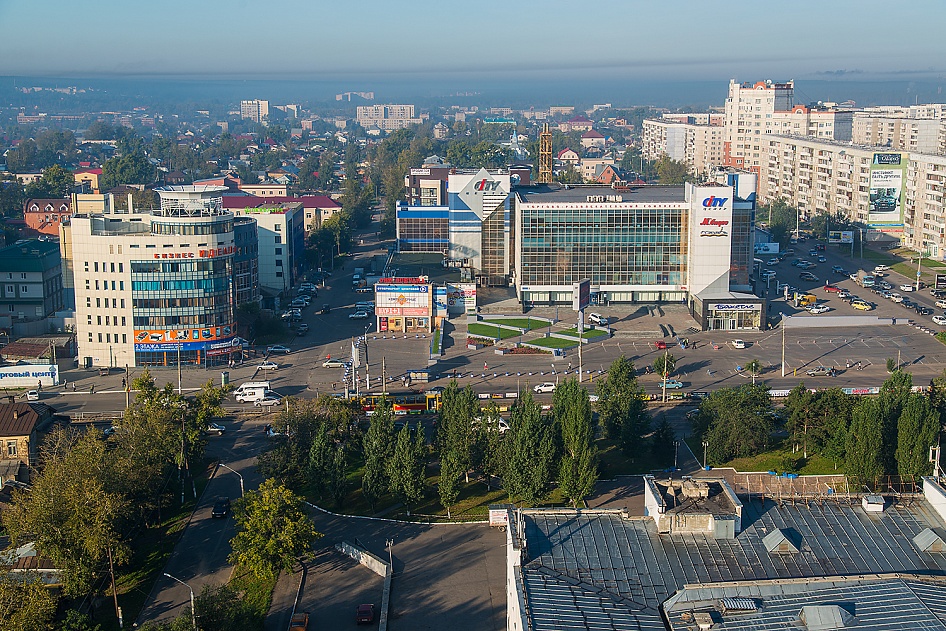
x: 402, y: 296
x: 888, y: 173
x: 440, y: 301
x: 725, y: 306
x: 710, y: 236
x: 841, y: 236
x: 29, y: 375
x: 181, y: 335
x: 581, y: 294
x: 940, y: 282
x: 461, y: 298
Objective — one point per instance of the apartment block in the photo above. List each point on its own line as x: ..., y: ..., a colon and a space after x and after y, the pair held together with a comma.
x: 906, y: 134
x: 925, y: 212
x: 699, y: 145
x: 387, y: 117
x: 254, y: 110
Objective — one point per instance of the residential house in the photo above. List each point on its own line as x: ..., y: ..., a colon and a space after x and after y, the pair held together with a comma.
x: 45, y: 215
x: 592, y: 139
x: 21, y: 426
x: 569, y: 156
x: 88, y: 177
x: 578, y: 123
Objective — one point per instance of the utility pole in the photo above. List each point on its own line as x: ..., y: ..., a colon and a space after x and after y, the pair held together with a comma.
x: 180, y: 376
x: 581, y: 328
x: 111, y: 569
x: 705, y: 446
x: 783, y: 344
x: 666, y: 353
x: 919, y: 263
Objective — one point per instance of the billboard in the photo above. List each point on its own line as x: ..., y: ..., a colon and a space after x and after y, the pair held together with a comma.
x: 581, y: 294
x: 402, y: 300
x: 840, y: 236
x: 461, y: 298
x: 29, y: 375
x: 940, y: 282
x: 710, y: 237
x: 181, y: 335
x: 888, y: 173
x: 766, y: 248
x: 440, y: 301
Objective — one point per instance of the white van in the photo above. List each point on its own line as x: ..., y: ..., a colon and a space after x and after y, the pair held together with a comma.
x: 597, y: 319
x: 251, y: 391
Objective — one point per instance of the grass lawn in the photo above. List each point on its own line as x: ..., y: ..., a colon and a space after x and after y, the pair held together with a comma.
x: 553, y: 342
x: 587, y: 334
x: 522, y: 323
x: 150, y: 552
x: 257, y: 593
x: 435, y: 344
x: 777, y: 459
x: 613, y: 462
x: 484, y: 330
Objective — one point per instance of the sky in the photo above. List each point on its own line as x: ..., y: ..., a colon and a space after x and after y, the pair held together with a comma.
x: 331, y: 39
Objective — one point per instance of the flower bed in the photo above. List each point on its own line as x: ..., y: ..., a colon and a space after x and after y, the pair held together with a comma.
x: 482, y: 341
x: 527, y: 350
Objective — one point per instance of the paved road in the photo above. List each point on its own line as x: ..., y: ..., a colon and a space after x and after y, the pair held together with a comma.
x: 200, y: 557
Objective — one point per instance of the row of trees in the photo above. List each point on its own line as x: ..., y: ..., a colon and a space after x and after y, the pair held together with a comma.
x: 889, y: 434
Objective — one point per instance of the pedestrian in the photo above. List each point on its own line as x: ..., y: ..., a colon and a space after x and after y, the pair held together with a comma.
x: 334, y: 385
x: 569, y: 365
x: 92, y: 389
x: 73, y: 386
x: 123, y: 383
x: 64, y: 384
x: 39, y: 385
x: 485, y: 367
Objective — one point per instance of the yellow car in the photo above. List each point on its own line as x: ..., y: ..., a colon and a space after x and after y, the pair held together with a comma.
x: 862, y: 306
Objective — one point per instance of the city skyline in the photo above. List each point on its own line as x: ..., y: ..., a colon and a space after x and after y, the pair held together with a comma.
x: 494, y: 42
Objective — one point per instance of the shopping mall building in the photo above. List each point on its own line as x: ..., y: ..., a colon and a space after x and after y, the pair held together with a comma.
x: 688, y: 244
x: 155, y: 288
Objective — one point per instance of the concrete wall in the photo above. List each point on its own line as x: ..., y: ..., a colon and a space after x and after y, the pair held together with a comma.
x: 370, y: 561
x: 516, y: 611
x: 654, y: 505
x: 935, y: 495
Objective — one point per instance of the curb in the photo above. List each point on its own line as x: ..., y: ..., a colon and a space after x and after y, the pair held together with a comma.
x: 393, y: 521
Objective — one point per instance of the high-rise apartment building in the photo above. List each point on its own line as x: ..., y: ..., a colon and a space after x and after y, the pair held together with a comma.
x: 254, y: 110
x: 387, y: 117
x: 698, y: 145
x: 906, y: 134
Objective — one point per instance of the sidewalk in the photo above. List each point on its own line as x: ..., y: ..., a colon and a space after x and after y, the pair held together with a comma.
x: 284, y: 599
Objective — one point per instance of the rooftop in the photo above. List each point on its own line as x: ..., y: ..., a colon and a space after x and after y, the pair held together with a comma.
x: 587, y: 560
x: 575, y: 194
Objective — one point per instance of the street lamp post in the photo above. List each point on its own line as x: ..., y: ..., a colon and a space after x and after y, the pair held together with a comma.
x: 705, y: 446
x: 193, y: 612
x: 238, y: 475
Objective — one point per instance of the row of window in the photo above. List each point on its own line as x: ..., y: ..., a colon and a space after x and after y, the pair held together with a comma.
x: 106, y: 267
x: 108, y: 338
x: 117, y: 303
x: 104, y: 285
x: 109, y: 320
x: 216, y: 227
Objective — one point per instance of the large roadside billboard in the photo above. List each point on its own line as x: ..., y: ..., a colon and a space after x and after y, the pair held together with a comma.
x: 888, y: 175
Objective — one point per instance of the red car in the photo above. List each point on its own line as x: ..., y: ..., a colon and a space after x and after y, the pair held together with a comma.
x: 364, y: 614
x: 661, y: 345
x: 832, y: 288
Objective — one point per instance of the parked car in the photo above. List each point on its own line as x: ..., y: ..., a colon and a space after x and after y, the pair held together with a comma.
x: 905, y: 287
x: 544, y: 388
x: 364, y: 614
x: 333, y: 363
x: 299, y: 621
x: 940, y: 320
x: 358, y: 315
x: 844, y: 293
x: 303, y: 329
x: 923, y: 311
x: 774, y: 261
x: 268, y: 366
x: 816, y: 309
x: 832, y: 289
x: 941, y: 304
x: 435, y: 390
x: 896, y: 297
x: 32, y: 395
x: 861, y: 305
x: 837, y: 269
x: 808, y: 276
x: 738, y: 343
x: 820, y: 371
x: 221, y: 507
x: 215, y: 429
x: 881, y: 268
x: 277, y: 348
x: 660, y: 345
x: 670, y: 384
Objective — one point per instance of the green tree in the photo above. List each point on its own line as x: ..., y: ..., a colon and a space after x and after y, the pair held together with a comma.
x: 448, y: 487
x: 661, y: 443
x: 77, y: 621
x: 406, y: 466
x: 578, y: 469
x: 55, y: 182
x: 377, y: 446
x: 488, y: 444
x: 863, y: 454
x: 894, y: 394
x: 754, y: 367
x: 338, y: 475
x: 22, y: 158
x: 529, y: 452
x: 321, y: 458
x: 221, y: 608
x: 130, y: 168
x: 459, y: 410
x: 671, y: 171
x: 26, y: 604
x: 739, y: 422
x: 273, y: 530
x: 917, y: 431
x: 73, y: 511
x: 664, y: 364
x: 621, y: 404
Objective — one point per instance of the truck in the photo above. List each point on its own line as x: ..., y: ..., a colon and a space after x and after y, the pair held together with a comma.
x: 251, y: 391
x: 807, y: 299
x: 865, y: 279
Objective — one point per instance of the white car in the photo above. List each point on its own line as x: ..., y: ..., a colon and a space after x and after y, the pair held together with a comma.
x: 881, y: 268
x: 852, y: 276
x: 358, y: 315
x: 268, y: 366
x: 905, y: 287
x: 32, y: 395
x: 940, y: 320
x: 816, y: 309
x: 277, y: 348
x: 941, y: 304
x: 333, y: 363
x: 543, y: 388
x: 773, y: 261
x: 738, y: 343
x: 270, y: 400
x: 896, y: 297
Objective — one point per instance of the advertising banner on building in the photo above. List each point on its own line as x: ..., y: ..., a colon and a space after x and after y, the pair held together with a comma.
x: 581, y: 294
x: 461, y: 298
x: 710, y: 235
x: 841, y: 236
x: 440, y: 301
x: 29, y: 375
x: 888, y: 174
x: 402, y: 296
x: 157, y: 336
